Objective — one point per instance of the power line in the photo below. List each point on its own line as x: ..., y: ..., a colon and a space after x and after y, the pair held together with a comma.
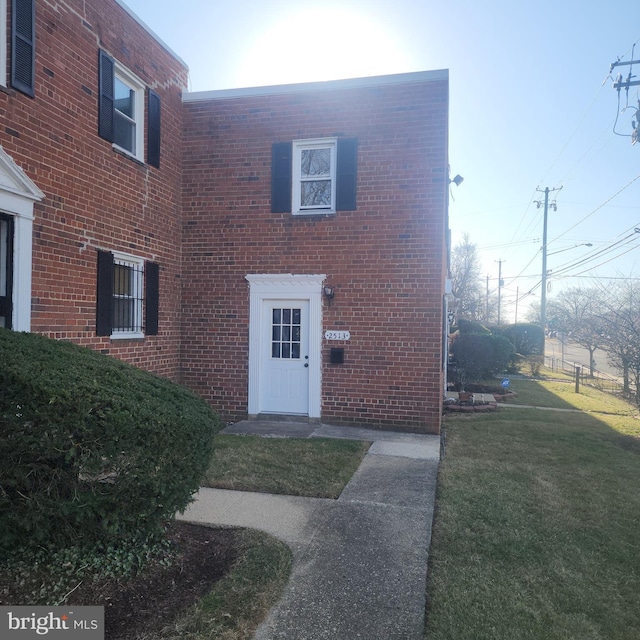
x: 594, y: 255
x: 605, y: 262
x: 577, y: 128
x: 597, y: 208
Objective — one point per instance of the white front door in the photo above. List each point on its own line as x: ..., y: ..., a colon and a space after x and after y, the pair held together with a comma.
x: 285, y: 357
x: 285, y: 342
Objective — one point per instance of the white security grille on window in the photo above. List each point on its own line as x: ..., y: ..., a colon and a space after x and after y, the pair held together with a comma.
x: 314, y: 176
x: 128, y: 279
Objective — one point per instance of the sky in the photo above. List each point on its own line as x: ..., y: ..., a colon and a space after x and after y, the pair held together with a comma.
x: 532, y: 106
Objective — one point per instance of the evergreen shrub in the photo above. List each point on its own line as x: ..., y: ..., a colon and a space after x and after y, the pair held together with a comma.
x: 92, y: 450
x: 478, y: 357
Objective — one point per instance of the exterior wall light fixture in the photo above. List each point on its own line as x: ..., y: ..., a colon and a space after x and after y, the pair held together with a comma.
x: 329, y: 292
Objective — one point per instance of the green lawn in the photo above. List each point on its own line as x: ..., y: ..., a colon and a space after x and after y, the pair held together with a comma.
x: 537, y: 528
x: 562, y: 395
x: 314, y: 467
x: 240, y: 601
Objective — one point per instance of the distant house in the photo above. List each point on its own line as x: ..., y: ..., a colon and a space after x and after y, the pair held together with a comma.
x: 281, y: 250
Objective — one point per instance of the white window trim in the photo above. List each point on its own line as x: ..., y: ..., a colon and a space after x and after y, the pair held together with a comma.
x: 138, y: 293
x: 3, y: 43
x: 298, y: 147
x: 124, y: 75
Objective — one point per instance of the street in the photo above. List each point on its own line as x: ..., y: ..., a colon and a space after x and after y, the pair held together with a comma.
x: 570, y: 352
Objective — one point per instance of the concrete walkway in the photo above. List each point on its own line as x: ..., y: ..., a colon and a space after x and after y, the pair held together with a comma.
x: 359, y: 562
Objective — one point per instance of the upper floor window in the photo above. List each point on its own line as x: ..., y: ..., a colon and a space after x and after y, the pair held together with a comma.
x: 121, y: 111
x: 128, y: 116
x: 314, y: 176
x: 3, y: 43
x: 23, y: 45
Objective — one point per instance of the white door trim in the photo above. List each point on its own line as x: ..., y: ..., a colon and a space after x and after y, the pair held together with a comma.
x: 285, y: 287
x: 18, y: 193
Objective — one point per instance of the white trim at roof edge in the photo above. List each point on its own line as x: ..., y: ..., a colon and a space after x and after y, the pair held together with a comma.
x: 154, y: 35
x: 327, y: 85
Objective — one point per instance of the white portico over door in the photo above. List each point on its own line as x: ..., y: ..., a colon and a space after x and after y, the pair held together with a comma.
x: 285, y: 336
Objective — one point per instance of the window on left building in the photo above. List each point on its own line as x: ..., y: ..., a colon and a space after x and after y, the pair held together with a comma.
x: 121, y: 111
x: 127, y: 296
x: 128, y: 113
x: 23, y: 45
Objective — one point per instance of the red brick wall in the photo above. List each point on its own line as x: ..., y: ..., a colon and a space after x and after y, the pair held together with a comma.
x: 385, y: 260
x: 205, y: 217
x: 96, y: 197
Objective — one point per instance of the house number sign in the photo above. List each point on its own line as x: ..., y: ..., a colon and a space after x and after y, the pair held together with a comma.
x: 337, y: 335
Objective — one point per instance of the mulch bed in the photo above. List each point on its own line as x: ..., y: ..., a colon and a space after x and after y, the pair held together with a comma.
x: 158, y: 595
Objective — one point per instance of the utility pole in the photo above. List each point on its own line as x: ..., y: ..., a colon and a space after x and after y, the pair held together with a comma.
x: 487, y: 300
x: 543, y: 297
x: 619, y: 84
x: 500, y: 283
x: 517, y: 296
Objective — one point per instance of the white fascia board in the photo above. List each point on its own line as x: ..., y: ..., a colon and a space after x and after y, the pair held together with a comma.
x: 310, y: 87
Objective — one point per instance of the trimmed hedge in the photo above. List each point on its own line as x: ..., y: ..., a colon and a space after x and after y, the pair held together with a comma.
x: 478, y: 357
x: 528, y: 339
x: 92, y: 449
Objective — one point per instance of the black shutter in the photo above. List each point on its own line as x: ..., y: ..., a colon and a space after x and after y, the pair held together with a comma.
x: 281, y: 177
x: 23, y: 45
x: 106, y: 104
x: 104, y: 298
x: 346, y: 174
x: 153, y: 128
x: 152, y: 297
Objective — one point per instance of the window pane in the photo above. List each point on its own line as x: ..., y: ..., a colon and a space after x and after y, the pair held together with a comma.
x: 125, y: 98
x: 285, y: 333
x: 316, y: 193
x: 316, y: 162
x: 122, y: 276
x: 123, y: 314
x: 124, y: 133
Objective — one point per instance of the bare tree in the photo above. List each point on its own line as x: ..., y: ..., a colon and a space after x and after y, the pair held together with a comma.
x: 621, y: 330
x: 466, y: 280
x: 578, y: 314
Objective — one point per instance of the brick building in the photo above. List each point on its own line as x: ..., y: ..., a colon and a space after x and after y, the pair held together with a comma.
x: 279, y: 250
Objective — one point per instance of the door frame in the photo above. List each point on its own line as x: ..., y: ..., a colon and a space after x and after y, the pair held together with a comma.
x: 284, y: 287
x: 18, y: 194
x: 6, y: 269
